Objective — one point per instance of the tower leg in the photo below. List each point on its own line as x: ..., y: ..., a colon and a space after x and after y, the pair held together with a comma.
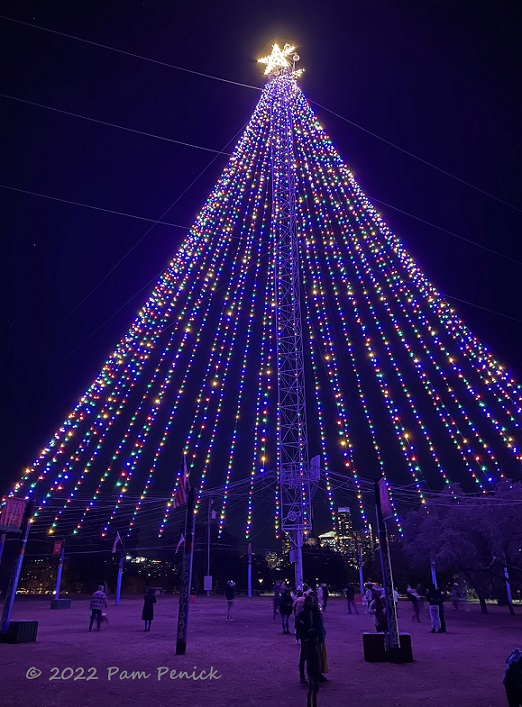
x: 297, y: 542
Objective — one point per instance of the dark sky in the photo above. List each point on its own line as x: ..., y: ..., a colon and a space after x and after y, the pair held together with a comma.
x: 440, y: 80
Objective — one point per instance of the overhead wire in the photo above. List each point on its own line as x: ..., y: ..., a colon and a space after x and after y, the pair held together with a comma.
x: 213, y: 77
x: 218, y: 153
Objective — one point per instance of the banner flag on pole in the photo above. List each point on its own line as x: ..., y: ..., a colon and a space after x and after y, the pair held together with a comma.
x: 180, y: 542
x: 180, y: 497
x: 12, y: 514
x: 386, y: 507
x: 117, y: 540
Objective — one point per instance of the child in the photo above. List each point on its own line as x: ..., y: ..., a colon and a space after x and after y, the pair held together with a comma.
x: 98, y: 603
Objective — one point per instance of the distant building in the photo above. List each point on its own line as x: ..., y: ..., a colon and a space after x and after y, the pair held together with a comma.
x: 287, y: 543
x: 274, y: 559
x: 347, y: 543
x: 329, y: 540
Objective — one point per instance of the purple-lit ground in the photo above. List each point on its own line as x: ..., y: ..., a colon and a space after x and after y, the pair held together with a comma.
x: 257, y: 664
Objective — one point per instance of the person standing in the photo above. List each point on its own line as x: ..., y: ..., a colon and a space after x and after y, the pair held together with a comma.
x: 277, y: 596
x: 98, y: 603
x: 310, y: 619
x: 437, y: 598
x: 285, y: 609
x: 326, y: 594
x: 297, y: 607
x: 367, y: 597
x: 350, y: 598
x: 455, y: 595
x: 313, y: 666
x: 230, y: 596
x: 147, y: 613
x: 434, y: 607
x: 513, y: 678
x: 396, y: 600
x: 319, y: 595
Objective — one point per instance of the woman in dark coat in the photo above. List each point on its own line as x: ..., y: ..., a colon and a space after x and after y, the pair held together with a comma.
x: 285, y: 609
x: 148, y: 608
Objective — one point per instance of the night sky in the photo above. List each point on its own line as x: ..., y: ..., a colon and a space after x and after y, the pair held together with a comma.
x: 439, y: 80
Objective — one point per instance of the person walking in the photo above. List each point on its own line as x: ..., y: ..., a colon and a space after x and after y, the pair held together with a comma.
x: 378, y: 608
x: 285, y: 609
x: 147, y: 614
x: 415, y: 599
x: 230, y: 596
x: 350, y: 598
x: 98, y: 604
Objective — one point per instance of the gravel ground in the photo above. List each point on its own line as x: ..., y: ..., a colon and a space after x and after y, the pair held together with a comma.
x: 247, y: 662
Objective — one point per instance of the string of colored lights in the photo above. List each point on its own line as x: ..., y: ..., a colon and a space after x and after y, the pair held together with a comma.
x: 317, y: 314
x: 389, y: 361
x: 327, y: 228
x: 370, y: 271
x: 321, y: 254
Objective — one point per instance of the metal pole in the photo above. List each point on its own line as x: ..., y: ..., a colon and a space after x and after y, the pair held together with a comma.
x: 433, y: 573
x: 297, y: 538
x: 13, y: 584
x: 208, y: 540
x: 392, y: 635
x: 360, y: 564
x: 2, y: 545
x: 120, y: 577
x: 508, y: 583
x: 250, y: 570
x: 186, y: 575
x: 59, y: 574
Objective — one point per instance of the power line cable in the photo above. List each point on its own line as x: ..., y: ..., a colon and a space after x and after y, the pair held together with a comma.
x: 420, y: 159
x: 258, y: 88
x: 114, y: 125
x: 445, y: 230
x: 127, y: 53
x: 156, y: 222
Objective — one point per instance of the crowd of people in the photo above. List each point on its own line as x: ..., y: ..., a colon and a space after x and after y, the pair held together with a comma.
x: 307, y: 605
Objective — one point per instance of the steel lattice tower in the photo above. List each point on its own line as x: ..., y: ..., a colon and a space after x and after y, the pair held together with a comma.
x: 295, y: 483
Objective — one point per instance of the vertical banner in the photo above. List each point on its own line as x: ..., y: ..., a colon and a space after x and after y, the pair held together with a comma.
x: 384, y: 499
x: 12, y: 514
x: 250, y: 570
x: 393, y: 646
x: 59, y: 549
x: 13, y: 583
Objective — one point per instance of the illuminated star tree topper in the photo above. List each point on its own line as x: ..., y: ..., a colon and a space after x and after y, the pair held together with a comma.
x: 278, y: 60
